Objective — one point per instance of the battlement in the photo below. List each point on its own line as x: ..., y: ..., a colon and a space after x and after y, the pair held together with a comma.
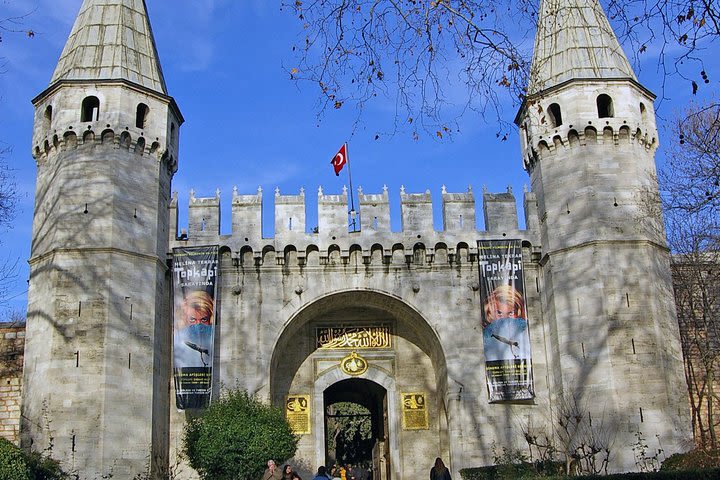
x: 367, y: 228
x: 71, y: 139
x: 582, y: 112
x: 611, y: 133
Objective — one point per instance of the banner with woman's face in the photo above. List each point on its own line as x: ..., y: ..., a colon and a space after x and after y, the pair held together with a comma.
x: 506, y: 338
x: 194, y: 275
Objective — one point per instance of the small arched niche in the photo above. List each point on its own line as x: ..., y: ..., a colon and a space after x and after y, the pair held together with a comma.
x: 555, y: 115
x: 141, y: 115
x: 47, y: 117
x: 605, y: 106
x: 90, y: 109
x: 140, y: 146
x: 125, y: 139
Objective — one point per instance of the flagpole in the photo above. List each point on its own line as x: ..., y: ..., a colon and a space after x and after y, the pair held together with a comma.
x: 353, y: 214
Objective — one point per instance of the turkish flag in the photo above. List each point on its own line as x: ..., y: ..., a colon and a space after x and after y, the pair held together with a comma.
x: 340, y: 159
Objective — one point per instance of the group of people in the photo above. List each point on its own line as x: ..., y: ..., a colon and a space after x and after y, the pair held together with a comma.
x: 340, y: 472
x: 438, y: 472
x: 273, y: 473
x: 335, y: 473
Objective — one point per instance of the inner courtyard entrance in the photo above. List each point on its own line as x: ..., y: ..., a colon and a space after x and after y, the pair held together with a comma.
x: 356, y: 428
x: 371, y: 376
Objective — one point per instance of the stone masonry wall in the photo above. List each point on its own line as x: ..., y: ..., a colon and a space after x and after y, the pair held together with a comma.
x: 12, y: 344
x: 696, y: 282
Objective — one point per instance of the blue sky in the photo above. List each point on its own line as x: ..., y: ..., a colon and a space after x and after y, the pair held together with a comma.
x: 248, y: 125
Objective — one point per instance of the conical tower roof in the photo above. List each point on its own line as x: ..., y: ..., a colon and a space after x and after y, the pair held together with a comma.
x: 574, y: 40
x: 111, y: 40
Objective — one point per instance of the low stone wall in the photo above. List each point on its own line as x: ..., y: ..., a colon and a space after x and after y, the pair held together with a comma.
x: 12, y: 344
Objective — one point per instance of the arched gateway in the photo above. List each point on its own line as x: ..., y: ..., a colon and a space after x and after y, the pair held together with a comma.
x: 400, y: 380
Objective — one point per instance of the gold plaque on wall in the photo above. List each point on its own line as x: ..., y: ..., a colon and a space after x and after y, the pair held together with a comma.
x: 415, y: 414
x: 297, y: 412
x: 353, y: 364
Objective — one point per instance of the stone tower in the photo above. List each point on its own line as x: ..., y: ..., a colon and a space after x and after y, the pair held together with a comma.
x: 589, y: 137
x: 105, y: 142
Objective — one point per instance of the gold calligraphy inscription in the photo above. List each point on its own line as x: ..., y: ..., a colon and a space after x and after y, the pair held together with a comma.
x: 377, y: 336
x: 414, y: 408
x: 297, y: 412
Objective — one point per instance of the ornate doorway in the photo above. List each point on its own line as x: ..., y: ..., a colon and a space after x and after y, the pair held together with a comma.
x: 356, y: 430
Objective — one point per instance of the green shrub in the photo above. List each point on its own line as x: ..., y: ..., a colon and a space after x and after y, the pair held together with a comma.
x: 693, y: 460
x: 491, y: 473
x: 235, y: 437
x: 684, y: 475
x: 44, y: 468
x: 13, y: 465
x: 512, y: 471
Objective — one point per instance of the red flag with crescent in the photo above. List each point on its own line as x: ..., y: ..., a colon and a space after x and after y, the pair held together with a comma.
x: 340, y: 159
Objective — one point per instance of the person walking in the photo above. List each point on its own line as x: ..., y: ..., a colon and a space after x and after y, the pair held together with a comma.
x: 439, y: 471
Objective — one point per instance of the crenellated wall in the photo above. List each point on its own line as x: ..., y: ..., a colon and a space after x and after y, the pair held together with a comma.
x: 274, y: 291
x: 372, y: 227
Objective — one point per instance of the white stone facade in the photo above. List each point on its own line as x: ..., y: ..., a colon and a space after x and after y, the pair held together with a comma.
x: 98, y: 347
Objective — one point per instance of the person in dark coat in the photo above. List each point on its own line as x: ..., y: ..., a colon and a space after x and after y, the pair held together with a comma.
x: 439, y: 471
x: 321, y: 473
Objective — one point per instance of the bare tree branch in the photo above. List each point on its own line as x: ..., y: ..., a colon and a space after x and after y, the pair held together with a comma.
x: 691, y: 200
x: 439, y: 59
x: 414, y: 52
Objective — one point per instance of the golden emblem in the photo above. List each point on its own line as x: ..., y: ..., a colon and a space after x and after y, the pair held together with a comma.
x: 354, y: 364
x: 297, y: 412
x: 296, y: 404
x: 414, y: 409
